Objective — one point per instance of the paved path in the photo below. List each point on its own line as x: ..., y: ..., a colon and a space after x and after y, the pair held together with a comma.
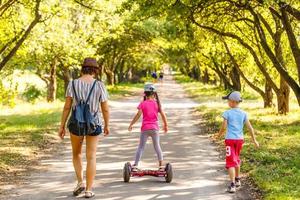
x: 198, y: 169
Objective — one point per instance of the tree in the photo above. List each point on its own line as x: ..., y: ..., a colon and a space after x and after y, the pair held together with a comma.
x: 9, y: 49
x: 254, y: 26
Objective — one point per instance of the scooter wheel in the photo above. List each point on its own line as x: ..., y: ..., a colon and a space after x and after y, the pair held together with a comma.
x: 169, y: 173
x: 127, y: 172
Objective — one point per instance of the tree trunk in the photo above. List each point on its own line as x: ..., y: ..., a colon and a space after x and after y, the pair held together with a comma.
x: 224, y: 81
x: 110, y: 77
x: 205, y: 77
x: 121, y: 75
x: 182, y: 70
x: 222, y: 73
x: 268, y: 97
x: 188, y: 67
x: 283, y: 97
x: 129, y: 74
x: 196, y: 73
x: 121, y: 70
x: 66, y: 77
x: 284, y: 90
x: 52, y: 85
x: 115, y: 79
x: 63, y: 73
x: 235, y: 78
x: 292, y: 39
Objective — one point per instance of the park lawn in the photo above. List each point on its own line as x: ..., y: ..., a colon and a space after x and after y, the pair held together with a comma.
x: 25, y: 131
x: 275, y: 166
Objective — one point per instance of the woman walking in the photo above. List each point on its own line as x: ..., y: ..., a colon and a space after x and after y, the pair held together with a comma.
x: 85, y: 96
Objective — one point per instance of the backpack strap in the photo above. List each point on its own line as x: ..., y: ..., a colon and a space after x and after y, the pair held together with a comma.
x: 75, y: 94
x: 88, y: 98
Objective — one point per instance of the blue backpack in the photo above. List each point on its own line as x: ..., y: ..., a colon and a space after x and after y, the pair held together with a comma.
x: 82, y: 122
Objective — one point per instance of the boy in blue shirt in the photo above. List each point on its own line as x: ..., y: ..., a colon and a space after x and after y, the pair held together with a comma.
x: 233, y: 124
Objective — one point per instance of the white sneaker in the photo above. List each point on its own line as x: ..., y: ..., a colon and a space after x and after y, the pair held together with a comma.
x: 134, y: 168
x: 238, y: 182
x: 231, y: 188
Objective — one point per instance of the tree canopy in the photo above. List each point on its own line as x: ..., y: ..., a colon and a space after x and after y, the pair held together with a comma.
x: 233, y: 43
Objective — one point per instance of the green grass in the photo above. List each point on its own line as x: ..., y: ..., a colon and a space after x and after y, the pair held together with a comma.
x: 24, y: 130
x: 275, y: 166
x: 124, y: 89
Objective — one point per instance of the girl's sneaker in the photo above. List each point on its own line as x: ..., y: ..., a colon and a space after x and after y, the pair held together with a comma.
x: 161, y: 169
x: 231, y: 188
x: 134, y: 168
x: 237, y: 182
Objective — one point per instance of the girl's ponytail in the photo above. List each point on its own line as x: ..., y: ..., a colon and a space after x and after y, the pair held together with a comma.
x: 158, y: 101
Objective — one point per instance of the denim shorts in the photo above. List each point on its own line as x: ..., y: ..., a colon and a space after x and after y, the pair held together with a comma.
x: 97, y: 132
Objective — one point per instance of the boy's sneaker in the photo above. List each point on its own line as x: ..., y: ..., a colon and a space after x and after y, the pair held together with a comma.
x: 231, y: 188
x: 237, y: 182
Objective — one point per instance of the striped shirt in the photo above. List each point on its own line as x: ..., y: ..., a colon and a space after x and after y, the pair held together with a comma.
x: 98, y: 95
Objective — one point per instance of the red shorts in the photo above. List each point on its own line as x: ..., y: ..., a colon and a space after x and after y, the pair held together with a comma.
x: 233, y: 150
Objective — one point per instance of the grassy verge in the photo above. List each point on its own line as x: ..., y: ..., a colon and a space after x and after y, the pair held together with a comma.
x: 25, y: 131
x: 275, y: 167
x: 123, y: 90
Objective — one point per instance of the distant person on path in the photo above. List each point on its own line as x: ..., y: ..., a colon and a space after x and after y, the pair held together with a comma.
x: 85, y: 96
x: 233, y: 123
x: 170, y: 70
x: 149, y: 108
x: 161, y: 77
x: 154, y: 76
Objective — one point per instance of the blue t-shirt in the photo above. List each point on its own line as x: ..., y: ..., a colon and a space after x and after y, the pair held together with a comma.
x: 236, y: 119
